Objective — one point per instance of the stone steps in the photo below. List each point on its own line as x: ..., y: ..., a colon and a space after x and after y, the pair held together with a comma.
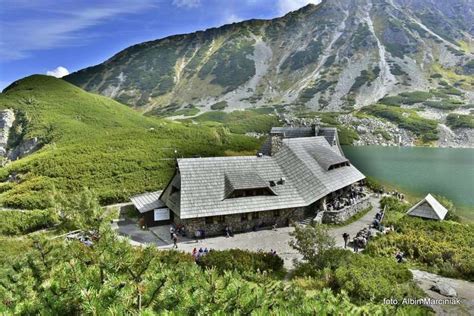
x: 306, y: 221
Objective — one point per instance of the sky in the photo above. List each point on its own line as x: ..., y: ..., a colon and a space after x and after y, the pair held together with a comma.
x: 56, y: 37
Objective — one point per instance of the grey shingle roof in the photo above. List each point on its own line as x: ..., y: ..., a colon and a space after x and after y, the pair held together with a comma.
x: 203, y: 186
x: 147, y: 201
x: 206, y: 182
x: 294, y: 132
x: 430, y: 208
x: 312, y: 181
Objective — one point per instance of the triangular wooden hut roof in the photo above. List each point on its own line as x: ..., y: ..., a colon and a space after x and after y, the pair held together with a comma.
x: 430, y: 208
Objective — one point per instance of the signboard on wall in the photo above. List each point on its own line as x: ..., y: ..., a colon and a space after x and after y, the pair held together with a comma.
x: 161, y: 214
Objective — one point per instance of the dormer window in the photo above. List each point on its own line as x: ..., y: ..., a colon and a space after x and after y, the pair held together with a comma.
x: 246, y: 185
x: 327, y: 158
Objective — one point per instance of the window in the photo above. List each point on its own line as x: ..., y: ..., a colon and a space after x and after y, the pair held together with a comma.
x: 244, y: 217
x: 255, y: 215
x: 251, y: 192
x: 209, y: 220
x: 276, y: 213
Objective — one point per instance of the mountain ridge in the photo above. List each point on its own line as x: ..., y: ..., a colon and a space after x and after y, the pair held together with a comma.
x: 328, y: 57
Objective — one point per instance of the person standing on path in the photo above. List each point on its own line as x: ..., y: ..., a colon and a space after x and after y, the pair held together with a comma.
x: 346, y: 239
x: 171, y: 232
x: 356, y: 245
x: 175, y: 240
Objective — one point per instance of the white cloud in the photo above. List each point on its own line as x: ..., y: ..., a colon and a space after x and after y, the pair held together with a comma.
x: 59, y: 27
x: 187, y: 3
x: 58, y: 72
x: 285, y: 6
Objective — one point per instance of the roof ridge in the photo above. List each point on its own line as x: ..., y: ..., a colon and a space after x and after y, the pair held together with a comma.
x: 223, y: 158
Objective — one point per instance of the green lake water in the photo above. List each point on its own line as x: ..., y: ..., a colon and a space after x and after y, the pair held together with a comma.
x: 419, y: 170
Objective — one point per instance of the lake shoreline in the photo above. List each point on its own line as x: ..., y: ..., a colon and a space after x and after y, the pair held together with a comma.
x: 416, y: 171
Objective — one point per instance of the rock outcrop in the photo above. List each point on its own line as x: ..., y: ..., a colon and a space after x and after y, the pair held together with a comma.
x: 25, y: 148
x: 7, y: 117
x: 444, y: 289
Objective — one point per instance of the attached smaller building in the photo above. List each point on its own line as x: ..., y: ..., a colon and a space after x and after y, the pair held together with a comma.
x: 428, y: 208
x: 152, y: 210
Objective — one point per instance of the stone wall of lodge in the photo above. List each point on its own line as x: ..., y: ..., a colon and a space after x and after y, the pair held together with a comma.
x: 243, y: 222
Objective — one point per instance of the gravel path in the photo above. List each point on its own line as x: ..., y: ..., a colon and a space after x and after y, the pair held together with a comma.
x: 278, y: 239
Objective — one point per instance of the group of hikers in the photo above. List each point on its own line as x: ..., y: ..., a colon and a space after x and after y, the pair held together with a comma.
x: 197, y: 254
x: 377, y: 223
x: 351, y: 198
x: 363, y: 236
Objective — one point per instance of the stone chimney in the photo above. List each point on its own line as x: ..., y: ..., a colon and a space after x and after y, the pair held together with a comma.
x: 276, y: 140
x: 315, y: 129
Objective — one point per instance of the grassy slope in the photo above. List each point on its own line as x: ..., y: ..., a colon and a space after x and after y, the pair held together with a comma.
x: 425, y: 129
x: 259, y: 120
x: 96, y: 142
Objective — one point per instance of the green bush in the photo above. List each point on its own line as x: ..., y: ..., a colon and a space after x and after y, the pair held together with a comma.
x: 415, y: 97
x: 374, y: 184
x: 460, y: 121
x: 309, y: 92
x: 346, y: 135
x: 393, y: 100
x: 443, y: 247
x: 407, y: 119
x: 449, y: 205
x: 242, y: 261
x: 219, y: 106
x: 442, y: 105
x: 366, y: 278
x: 189, y: 110
x: 23, y: 222
x: 365, y: 77
x: 384, y: 134
x: 450, y: 90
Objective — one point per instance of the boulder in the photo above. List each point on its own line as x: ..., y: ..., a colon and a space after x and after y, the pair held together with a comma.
x: 361, y: 129
x: 444, y: 289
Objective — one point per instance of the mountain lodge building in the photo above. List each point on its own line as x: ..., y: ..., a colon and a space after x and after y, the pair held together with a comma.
x: 299, y: 173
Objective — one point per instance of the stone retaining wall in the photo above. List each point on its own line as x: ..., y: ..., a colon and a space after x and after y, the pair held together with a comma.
x: 240, y: 222
x: 340, y: 216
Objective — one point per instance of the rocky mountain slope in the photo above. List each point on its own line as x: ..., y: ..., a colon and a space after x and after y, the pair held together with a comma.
x: 337, y: 55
